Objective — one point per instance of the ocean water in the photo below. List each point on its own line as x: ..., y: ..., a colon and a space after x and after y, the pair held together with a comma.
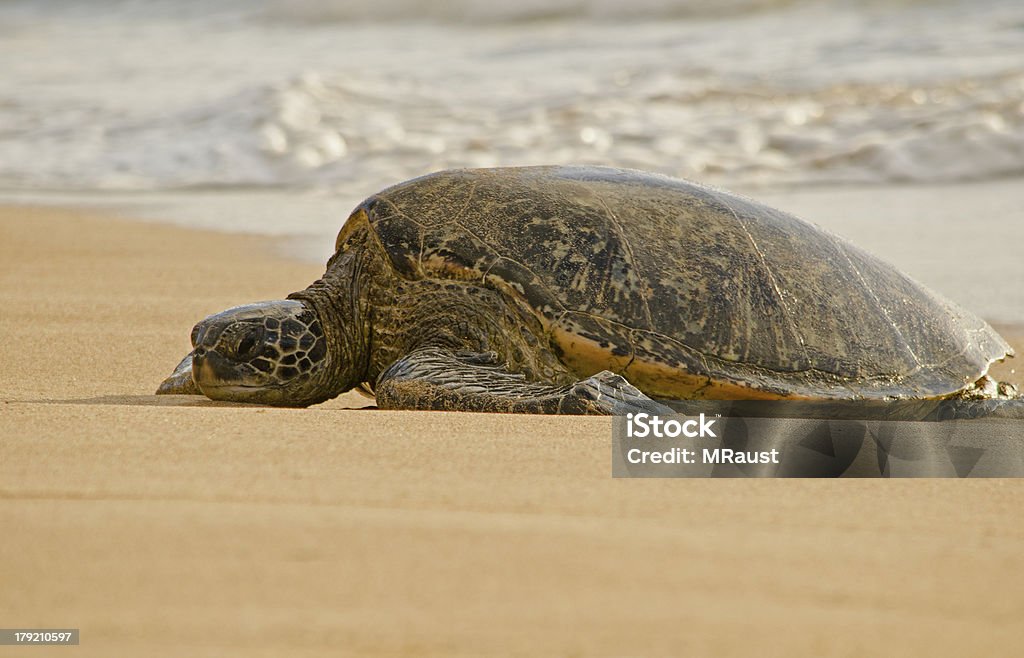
x: 344, y: 96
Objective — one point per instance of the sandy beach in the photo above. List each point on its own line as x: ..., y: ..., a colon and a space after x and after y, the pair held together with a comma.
x: 177, y: 526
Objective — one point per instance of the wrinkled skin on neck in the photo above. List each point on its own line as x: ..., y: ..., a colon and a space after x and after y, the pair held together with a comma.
x: 340, y: 302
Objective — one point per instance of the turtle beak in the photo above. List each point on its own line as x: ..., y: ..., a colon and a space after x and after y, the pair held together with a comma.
x: 207, y: 366
x: 211, y: 371
x: 200, y: 368
x: 198, y: 333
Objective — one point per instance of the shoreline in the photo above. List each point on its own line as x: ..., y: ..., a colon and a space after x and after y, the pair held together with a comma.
x: 154, y: 524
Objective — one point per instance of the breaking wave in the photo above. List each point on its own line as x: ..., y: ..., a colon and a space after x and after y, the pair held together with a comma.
x: 778, y: 93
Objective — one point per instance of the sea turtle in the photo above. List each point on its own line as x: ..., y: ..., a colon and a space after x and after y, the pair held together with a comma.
x: 577, y: 289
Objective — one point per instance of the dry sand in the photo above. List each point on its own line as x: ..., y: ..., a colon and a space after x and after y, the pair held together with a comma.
x: 179, y: 527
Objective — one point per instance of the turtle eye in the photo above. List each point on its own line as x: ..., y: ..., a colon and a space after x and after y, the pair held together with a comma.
x: 247, y: 346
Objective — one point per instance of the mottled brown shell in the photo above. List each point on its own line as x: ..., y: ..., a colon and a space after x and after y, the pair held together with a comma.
x: 685, y: 290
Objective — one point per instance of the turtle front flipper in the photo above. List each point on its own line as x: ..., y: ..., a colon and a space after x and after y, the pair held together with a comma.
x: 436, y: 379
x: 180, y: 382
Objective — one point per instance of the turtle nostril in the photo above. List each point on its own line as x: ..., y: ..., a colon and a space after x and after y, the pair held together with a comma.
x: 198, y: 352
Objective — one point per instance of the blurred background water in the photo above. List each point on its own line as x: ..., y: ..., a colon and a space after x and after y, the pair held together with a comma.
x: 349, y: 95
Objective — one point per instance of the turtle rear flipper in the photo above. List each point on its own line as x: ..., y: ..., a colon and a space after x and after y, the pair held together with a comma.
x: 956, y: 409
x: 436, y: 379
x: 180, y: 382
x: 876, y: 410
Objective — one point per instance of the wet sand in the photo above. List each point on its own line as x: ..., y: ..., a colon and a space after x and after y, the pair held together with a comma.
x: 168, y: 526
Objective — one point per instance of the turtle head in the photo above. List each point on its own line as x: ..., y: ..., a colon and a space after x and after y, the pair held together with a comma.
x: 267, y: 353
